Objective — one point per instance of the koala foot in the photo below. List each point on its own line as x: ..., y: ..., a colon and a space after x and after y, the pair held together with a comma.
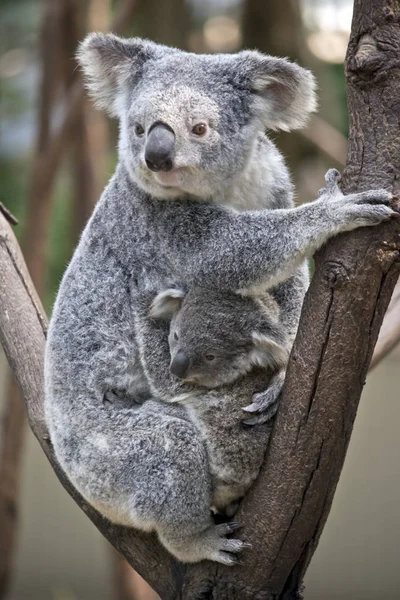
x: 225, y: 549
x: 211, y: 544
x: 266, y: 403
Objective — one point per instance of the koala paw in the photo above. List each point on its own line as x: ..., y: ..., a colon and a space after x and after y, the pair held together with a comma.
x: 266, y: 403
x: 228, y: 548
x: 363, y: 209
x: 366, y: 208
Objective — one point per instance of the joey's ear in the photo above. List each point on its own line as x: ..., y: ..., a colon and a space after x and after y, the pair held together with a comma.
x: 268, y: 353
x: 166, y: 304
x: 285, y: 92
x: 108, y: 62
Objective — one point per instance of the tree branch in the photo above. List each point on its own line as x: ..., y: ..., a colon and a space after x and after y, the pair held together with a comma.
x: 23, y: 329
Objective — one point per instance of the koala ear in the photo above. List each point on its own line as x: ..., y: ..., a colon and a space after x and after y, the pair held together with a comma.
x: 285, y: 92
x: 166, y: 304
x: 268, y: 353
x: 108, y: 61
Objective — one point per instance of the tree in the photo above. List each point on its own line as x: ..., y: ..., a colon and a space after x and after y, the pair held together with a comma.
x: 355, y: 275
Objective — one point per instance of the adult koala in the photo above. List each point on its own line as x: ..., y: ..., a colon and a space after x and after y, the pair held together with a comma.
x: 183, y: 208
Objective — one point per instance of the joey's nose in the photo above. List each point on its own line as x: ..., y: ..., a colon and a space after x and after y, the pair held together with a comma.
x: 159, y: 147
x: 180, y: 364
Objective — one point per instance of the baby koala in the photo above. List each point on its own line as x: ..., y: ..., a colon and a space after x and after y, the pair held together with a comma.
x: 219, y: 339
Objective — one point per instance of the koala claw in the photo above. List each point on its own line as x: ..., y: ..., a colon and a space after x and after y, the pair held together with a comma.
x: 262, y: 402
x: 228, y: 559
x: 227, y: 548
x: 226, y: 528
x: 266, y: 404
x: 267, y: 410
x: 260, y: 419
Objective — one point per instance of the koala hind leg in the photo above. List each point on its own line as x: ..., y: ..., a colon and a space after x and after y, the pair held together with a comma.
x: 210, y: 543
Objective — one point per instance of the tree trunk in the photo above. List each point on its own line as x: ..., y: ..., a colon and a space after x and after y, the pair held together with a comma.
x: 284, y: 513
x: 166, y: 22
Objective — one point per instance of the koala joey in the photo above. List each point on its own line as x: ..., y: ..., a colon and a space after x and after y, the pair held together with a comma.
x: 215, y: 339
x: 200, y: 197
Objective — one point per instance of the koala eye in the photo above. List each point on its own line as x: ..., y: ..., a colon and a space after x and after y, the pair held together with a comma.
x: 176, y: 336
x: 209, y: 357
x: 200, y: 129
x: 139, y: 130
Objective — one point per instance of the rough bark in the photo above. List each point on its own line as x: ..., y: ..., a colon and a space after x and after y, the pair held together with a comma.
x: 355, y: 275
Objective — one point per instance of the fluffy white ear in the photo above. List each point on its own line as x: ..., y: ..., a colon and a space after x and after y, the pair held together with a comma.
x: 166, y: 304
x: 285, y: 92
x: 268, y: 353
x: 108, y: 61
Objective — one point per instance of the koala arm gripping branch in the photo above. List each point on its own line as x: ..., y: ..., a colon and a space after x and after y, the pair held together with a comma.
x: 289, y: 295
x: 218, y: 248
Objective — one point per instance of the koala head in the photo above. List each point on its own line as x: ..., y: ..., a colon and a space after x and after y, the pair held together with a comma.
x: 189, y: 122
x: 216, y: 337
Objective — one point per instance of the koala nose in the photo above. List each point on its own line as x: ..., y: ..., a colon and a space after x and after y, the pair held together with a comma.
x: 159, y: 147
x: 180, y: 364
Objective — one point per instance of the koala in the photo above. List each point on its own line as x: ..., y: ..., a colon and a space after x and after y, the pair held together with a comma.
x: 200, y: 197
x: 215, y: 339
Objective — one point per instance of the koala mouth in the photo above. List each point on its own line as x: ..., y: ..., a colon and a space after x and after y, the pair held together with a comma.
x: 169, y: 178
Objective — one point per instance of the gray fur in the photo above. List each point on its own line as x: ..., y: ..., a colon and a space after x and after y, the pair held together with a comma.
x: 245, y: 337
x: 185, y: 227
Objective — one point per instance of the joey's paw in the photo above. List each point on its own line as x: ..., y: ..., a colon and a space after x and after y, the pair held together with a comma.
x: 332, y: 180
x: 264, y: 406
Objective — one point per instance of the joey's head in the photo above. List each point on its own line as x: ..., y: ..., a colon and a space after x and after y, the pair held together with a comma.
x: 216, y: 337
x: 188, y: 123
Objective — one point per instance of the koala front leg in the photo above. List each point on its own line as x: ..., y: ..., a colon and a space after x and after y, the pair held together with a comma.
x: 265, y: 404
x: 240, y: 250
x: 289, y: 295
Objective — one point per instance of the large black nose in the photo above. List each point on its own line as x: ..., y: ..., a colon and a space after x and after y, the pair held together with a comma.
x: 180, y: 364
x: 159, y: 147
